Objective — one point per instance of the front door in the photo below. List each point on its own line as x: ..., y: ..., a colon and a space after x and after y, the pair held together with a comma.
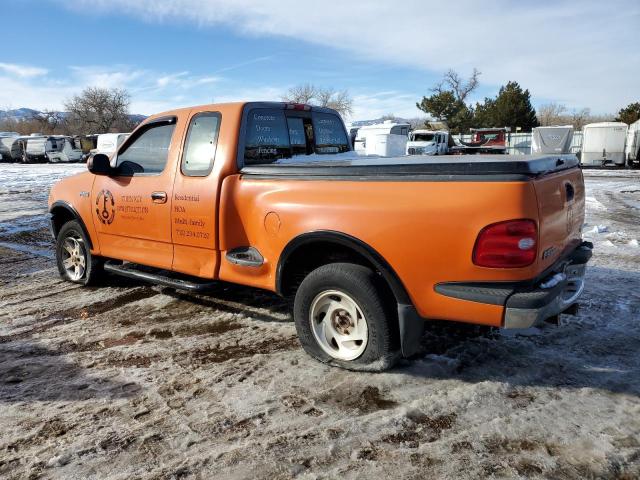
x: 132, y: 209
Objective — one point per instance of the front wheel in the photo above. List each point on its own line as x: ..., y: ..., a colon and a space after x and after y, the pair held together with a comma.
x: 73, y: 256
x: 342, y: 318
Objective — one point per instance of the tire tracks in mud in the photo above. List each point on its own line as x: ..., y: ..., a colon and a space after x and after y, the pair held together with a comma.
x: 79, y: 313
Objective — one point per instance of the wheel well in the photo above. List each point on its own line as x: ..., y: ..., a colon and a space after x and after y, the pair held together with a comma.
x: 305, y: 255
x: 61, y: 214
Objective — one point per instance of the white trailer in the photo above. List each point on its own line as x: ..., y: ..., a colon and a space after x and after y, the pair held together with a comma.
x: 108, y: 143
x: 603, y: 143
x: 6, y: 140
x: 556, y: 139
x: 632, y: 147
x: 388, y: 139
x: 62, y: 149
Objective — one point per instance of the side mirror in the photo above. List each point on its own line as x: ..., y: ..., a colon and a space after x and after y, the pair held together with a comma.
x: 99, y: 164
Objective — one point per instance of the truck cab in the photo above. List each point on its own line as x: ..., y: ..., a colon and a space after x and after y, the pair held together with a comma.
x: 428, y: 142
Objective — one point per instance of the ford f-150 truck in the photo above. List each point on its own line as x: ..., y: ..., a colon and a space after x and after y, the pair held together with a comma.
x: 270, y: 195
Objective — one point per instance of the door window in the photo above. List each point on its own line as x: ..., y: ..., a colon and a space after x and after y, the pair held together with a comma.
x: 147, y: 151
x: 200, y: 146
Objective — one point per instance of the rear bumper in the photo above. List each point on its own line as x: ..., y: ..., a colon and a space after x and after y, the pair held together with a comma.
x: 531, y: 302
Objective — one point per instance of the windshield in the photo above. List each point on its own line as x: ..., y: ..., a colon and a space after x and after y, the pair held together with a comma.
x: 274, y: 134
x: 423, y: 137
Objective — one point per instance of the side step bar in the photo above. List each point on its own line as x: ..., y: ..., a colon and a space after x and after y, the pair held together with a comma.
x: 181, y: 283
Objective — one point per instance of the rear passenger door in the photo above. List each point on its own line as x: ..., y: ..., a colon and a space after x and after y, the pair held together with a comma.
x: 195, y: 198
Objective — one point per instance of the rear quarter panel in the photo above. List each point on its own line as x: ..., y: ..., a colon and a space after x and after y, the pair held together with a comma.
x: 426, y: 230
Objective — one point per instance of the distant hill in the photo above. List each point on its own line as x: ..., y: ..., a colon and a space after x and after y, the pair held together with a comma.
x: 20, y: 114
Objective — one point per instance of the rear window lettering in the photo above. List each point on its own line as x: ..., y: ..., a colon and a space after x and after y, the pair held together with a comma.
x: 267, y: 137
x: 330, y: 134
x: 274, y: 134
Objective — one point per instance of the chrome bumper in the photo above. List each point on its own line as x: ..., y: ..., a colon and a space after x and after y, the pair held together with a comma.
x: 564, y: 289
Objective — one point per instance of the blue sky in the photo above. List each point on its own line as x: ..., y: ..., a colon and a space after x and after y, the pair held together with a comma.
x: 171, y: 53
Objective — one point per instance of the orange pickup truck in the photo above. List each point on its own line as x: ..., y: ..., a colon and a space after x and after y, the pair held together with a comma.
x: 270, y: 195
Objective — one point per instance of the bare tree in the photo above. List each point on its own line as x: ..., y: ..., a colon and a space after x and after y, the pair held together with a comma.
x: 310, y: 94
x: 99, y: 110
x: 579, y: 118
x: 47, y: 121
x: 454, y: 83
x: 551, y: 114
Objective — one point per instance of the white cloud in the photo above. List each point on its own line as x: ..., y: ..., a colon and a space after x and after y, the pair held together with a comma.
x: 582, y: 54
x: 22, y: 71
x: 151, y: 91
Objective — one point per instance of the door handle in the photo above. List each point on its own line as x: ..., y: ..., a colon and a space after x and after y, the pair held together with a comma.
x: 159, y: 197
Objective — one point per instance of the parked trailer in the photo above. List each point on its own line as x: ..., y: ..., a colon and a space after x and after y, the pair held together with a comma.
x: 18, y: 147
x: 632, y: 147
x: 6, y: 140
x: 35, y: 150
x: 555, y: 139
x: 386, y: 139
x: 62, y: 149
x: 603, y: 143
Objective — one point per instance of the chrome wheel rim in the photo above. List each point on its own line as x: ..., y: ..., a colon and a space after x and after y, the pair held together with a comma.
x: 339, y: 325
x: 74, y: 257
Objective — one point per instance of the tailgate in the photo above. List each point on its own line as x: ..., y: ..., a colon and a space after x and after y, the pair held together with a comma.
x: 561, y: 214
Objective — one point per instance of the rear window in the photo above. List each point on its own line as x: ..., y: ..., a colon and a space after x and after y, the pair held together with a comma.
x: 275, y: 134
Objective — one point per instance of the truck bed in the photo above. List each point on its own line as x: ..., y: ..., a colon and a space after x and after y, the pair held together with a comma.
x: 417, y: 167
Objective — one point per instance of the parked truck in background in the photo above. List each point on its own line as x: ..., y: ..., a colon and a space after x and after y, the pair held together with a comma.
x: 429, y: 142
x: 269, y: 195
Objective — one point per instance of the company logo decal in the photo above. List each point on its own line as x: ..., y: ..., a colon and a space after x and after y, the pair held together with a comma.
x: 105, y: 207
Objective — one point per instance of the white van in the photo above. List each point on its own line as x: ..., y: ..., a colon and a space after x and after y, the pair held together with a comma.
x: 388, y: 139
x: 603, y: 143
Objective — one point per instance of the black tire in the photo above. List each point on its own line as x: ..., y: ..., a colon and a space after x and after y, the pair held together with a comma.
x: 92, y: 264
x: 366, y: 289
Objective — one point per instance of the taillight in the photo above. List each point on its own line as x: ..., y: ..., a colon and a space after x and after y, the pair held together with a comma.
x: 509, y: 244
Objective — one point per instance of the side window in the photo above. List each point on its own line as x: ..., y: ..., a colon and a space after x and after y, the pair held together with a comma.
x: 148, y: 152
x: 267, y: 136
x: 200, y: 146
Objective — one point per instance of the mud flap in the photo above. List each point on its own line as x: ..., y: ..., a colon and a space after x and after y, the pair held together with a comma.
x: 411, y: 329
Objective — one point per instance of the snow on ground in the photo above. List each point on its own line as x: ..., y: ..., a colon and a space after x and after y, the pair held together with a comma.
x: 126, y: 380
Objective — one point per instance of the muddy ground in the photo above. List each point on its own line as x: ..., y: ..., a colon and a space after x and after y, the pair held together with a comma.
x: 128, y: 380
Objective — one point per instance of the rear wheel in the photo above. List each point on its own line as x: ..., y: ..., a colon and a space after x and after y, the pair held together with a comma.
x: 341, y: 318
x: 73, y: 256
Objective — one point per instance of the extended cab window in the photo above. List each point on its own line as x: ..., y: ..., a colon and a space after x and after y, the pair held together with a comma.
x: 200, y: 146
x: 276, y: 134
x: 147, y: 152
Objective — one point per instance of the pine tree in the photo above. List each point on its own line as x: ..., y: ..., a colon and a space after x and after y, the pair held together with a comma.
x: 511, y: 108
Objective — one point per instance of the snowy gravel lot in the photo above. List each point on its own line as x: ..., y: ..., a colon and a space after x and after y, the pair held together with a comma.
x: 133, y: 381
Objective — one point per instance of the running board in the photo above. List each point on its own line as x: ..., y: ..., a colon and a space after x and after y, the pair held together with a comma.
x: 135, y: 272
